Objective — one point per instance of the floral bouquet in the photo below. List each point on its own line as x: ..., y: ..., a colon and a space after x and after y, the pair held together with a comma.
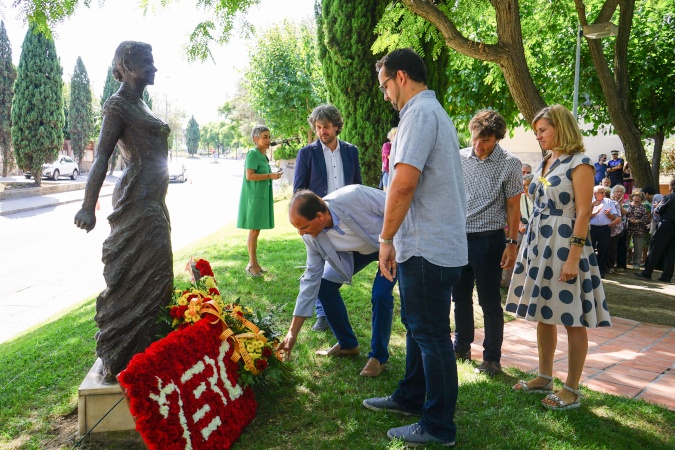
x: 252, y: 335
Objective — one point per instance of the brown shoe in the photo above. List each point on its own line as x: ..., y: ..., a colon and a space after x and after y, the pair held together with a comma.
x: 336, y: 350
x: 373, y: 368
x: 489, y: 368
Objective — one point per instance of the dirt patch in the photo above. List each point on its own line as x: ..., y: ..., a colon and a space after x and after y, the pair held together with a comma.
x: 640, y: 300
x: 64, y: 432
x: 64, y: 435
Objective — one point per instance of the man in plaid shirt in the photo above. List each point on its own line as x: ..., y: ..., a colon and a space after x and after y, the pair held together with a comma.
x: 493, y: 182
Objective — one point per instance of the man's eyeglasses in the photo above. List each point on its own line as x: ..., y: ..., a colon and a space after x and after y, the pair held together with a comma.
x: 382, y: 88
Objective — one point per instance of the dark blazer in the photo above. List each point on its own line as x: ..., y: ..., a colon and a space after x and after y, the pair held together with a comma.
x: 310, y: 168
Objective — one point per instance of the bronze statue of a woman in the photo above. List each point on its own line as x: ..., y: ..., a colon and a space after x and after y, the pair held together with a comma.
x: 137, y: 257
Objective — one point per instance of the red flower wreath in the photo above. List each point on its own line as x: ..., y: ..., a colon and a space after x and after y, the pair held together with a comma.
x: 183, y: 391
x: 204, y: 268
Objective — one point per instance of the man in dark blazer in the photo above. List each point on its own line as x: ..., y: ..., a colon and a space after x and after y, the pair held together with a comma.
x: 314, y: 162
x: 325, y: 166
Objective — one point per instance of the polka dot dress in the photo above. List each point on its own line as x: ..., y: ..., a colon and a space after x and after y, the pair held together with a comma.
x: 535, y: 292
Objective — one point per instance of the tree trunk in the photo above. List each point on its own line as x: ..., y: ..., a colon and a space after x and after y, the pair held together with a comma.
x: 37, y: 176
x: 615, y: 87
x: 508, y: 53
x: 659, y: 138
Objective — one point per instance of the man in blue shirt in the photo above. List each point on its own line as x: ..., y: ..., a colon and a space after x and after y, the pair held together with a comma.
x: 340, y: 232
x: 600, y: 168
x: 423, y: 239
x: 615, y: 169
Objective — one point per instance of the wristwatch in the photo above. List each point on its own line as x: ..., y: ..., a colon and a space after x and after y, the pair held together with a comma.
x: 385, y: 241
x: 511, y: 241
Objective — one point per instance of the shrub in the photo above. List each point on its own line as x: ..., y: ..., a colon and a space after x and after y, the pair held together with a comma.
x: 285, y: 152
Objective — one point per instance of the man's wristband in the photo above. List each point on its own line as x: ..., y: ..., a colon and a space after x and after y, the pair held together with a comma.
x: 385, y: 241
x: 511, y: 241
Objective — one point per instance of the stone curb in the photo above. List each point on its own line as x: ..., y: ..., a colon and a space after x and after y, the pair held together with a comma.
x: 42, y: 190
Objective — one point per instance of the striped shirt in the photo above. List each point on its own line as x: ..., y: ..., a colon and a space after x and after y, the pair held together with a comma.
x: 489, y: 183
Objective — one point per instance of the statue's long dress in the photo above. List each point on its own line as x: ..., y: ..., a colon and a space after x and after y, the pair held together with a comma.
x: 137, y: 255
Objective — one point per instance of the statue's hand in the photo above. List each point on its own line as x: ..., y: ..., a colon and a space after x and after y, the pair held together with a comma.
x: 85, y: 219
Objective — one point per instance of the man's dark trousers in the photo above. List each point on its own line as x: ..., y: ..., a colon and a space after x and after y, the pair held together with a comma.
x: 601, y: 235
x: 662, y: 243
x: 483, y: 270
x: 382, y: 300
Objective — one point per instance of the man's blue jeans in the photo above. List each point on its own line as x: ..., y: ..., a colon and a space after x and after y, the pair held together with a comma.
x: 483, y: 270
x: 382, y: 300
x: 430, y: 366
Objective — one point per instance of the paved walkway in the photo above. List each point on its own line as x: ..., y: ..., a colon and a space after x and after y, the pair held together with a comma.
x: 17, y: 205
x: 632, y: 359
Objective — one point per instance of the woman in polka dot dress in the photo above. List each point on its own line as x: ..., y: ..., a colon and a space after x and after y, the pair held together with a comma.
x: 556, y: 280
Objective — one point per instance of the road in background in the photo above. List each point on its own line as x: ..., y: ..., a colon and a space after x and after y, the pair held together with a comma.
x: 49, y: 264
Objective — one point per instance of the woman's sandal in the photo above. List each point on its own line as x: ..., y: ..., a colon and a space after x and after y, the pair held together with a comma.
x: 521, y: 386
x: 255, y: 275
x: 555, y: 403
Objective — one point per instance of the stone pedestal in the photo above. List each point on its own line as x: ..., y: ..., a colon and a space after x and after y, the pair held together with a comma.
x: 95, y: 400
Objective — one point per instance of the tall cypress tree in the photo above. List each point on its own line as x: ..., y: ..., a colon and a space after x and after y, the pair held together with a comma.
x: 146, y: 98
x: 192, y: 136
x: 109, y: 88
x: 7, y: 77
x: 81, y: 117
x: 37, y: 107
x: 345, y: 35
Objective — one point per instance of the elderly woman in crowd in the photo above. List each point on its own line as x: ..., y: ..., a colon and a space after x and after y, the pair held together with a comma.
x: 638, y: 220
x: 556, y: 280
x: 256, y: 205
x: 617, y: 242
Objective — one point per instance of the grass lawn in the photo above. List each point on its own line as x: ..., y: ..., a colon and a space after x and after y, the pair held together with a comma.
x: 42, y: 369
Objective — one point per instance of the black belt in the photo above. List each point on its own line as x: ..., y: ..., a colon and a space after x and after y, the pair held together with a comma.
x: 599, y: 225
x: 480, y: 234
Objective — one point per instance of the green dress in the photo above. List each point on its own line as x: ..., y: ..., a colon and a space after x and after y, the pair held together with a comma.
x: 256, y: 206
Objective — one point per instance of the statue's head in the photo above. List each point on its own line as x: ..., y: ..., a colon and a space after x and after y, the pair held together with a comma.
x: 128, y: 56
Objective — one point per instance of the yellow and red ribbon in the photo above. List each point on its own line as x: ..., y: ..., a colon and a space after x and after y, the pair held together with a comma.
x: 213, y: 308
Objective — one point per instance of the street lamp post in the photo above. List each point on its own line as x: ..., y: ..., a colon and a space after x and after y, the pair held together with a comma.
x: 594, y: 31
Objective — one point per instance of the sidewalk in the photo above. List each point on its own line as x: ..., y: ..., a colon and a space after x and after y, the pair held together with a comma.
x: 23, y: 204
x: 629, y: 358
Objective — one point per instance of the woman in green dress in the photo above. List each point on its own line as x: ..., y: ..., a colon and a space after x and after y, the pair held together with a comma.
x: 256, y: 208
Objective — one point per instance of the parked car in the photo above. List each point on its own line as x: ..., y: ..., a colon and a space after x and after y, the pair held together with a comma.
x: 61, y: 167
x: 177, y: 172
